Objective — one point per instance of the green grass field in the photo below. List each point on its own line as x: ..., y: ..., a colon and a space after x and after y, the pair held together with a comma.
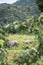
x: 21, y: 38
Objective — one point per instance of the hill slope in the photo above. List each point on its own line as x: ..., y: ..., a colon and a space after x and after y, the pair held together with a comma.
x: 24, y: 2
x: 18, y: 11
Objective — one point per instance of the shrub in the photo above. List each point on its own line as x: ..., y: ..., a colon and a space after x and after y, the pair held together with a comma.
x: 2, y: 36
x: 6, y: 44
x: 29, y: 56
x: 3, y: 54
x: 40, y: 35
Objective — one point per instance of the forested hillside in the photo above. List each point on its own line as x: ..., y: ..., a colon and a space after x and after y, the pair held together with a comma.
x: 25, y: 2
x: 18, y: 11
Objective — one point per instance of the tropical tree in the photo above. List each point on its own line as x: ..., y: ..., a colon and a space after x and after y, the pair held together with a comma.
x: 40, y: 34
x: 40, y: 4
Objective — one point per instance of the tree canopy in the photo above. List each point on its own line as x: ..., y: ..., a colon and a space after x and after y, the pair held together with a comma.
x: 40, y: 4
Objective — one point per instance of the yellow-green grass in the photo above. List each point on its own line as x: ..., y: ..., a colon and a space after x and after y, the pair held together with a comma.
x: 21, y: 38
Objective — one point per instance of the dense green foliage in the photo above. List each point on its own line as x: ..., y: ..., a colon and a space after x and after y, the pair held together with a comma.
x: 28, y: 57
x: 40, y: 4
x: 21, y: 23
x: 29, y: 27
x: 3, y: 55
x: 40, y: 35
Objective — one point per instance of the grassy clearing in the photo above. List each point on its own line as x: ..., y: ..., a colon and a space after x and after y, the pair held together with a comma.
x: 21, y: 38
x: 20, y: 48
